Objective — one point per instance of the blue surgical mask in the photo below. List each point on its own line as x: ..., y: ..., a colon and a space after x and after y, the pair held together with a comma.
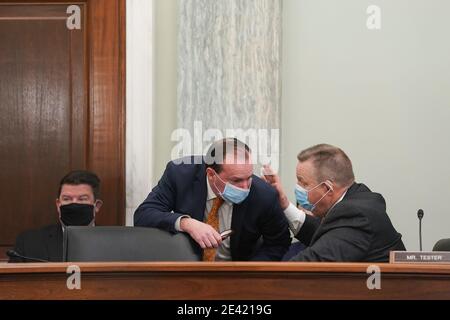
x: 301, y: 194
x: 232, y: 193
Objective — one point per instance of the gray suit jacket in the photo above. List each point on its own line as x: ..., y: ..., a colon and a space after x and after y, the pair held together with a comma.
x: 357, y: 229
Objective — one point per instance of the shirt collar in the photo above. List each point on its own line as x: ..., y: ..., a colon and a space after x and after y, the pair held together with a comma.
x: 211, y: 195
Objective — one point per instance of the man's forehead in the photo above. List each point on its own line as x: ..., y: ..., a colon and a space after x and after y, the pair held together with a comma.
x: 305, y: 170
x: 78, y: 189
x: 237, y: 169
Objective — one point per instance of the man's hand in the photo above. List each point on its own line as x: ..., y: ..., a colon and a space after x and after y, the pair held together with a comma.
x: 205, y: 235
x: 274, y: 180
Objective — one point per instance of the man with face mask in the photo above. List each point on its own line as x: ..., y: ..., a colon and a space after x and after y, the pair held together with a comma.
x: 205, y: 196
x: 348, y: 222
x: 77, y: 205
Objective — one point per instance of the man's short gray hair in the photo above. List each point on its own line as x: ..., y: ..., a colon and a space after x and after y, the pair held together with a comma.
x: 330, y: 163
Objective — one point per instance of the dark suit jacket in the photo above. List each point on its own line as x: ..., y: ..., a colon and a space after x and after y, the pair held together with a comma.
x: 357, y: 229
x: 45, y: 243
x: 260, y: 227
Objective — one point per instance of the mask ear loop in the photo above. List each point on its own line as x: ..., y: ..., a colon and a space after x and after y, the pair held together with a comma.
x: 215, y: 185
x: 328, y: 183
x: 330, y: 188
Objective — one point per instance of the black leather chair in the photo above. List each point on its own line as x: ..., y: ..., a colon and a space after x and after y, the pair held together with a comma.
x: 442, y: 245
x: 126, y: 244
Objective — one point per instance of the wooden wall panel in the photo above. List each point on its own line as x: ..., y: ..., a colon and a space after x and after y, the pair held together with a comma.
x: 62, y: 107
x: 107, y: 100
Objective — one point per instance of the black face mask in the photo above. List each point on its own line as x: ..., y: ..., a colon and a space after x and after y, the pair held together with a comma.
x: 77, y: 214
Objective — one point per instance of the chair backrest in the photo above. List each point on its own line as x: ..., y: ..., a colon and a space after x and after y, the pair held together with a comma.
x: 442, y: 245
x: 126, y: 244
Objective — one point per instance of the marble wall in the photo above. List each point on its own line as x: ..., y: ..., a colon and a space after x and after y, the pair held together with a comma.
x: 229, y: 65
x: 139, y: 111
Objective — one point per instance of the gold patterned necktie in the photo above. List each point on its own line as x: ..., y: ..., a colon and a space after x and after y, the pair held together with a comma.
x: 213, y: 220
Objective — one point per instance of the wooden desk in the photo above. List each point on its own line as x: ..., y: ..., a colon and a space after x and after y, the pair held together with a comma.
x: 234, y: 281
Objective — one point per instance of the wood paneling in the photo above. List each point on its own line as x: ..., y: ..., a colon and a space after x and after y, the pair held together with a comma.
x: 218, y: 281
x: 62, y: 103
x: 43, y: 123
x: 107, y: 101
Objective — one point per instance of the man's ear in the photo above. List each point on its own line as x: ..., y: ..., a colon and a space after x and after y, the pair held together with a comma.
x: 209, y: 172
x: 98, y: 205
x: 329, y: 185
x: 58, y: 204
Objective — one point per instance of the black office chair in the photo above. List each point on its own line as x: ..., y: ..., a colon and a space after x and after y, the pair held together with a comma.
x: 126, y: 244
x: 442, y: 245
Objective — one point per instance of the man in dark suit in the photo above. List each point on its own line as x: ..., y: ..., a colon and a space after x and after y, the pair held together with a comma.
x: 77, y: 204
x: 204, y: 196
x: 340, y: 220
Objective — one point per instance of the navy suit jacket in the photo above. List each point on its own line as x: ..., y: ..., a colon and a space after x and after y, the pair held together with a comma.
x: 260, y: 227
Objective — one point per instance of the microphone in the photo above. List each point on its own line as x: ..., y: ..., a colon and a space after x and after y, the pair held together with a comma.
x: 420, y: 216
x: 15, y: 254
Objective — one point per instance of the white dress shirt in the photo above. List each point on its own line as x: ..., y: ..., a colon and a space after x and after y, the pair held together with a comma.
x: 225, y: 215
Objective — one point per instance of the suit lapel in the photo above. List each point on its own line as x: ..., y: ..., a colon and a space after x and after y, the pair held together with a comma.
x: 199, y: 192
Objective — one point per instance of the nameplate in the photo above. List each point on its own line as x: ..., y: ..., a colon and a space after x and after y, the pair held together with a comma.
x: 419, y: 257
